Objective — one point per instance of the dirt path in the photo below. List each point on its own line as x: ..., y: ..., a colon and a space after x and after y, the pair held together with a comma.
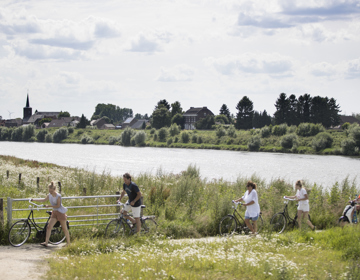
x: 25, y: 262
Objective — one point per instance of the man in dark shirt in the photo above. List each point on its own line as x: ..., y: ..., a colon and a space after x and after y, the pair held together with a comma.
x: 134, y: 203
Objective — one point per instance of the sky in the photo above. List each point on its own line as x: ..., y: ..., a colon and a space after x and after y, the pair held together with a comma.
x: 73, y: 54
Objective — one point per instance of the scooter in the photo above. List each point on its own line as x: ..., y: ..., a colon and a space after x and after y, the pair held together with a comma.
x: 349, y: 214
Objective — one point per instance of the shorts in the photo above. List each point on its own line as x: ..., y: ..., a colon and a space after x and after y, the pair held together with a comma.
x: 304, y: 207
x: 252, y: 218
x: 135, y: 210
x: 58, y: 216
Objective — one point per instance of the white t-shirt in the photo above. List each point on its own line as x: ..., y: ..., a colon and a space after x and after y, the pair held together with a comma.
x: 53, y: 201
x: 252, y: 210
x: 300, y: 194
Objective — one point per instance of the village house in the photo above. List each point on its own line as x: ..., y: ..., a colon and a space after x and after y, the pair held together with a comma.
x: 128, y: 122
x: 140, y: 124
x: 195, y: 114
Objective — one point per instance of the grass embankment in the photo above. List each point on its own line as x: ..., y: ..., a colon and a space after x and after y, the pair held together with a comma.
x: 188, y: 206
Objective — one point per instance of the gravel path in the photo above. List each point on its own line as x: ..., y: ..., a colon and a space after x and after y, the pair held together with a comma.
x: 25, y: 262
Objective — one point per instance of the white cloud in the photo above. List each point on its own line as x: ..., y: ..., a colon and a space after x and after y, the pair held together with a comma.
x: 179, y: 73
x: 353, y: 69
x: 151, y: 42
x: 323, y: 69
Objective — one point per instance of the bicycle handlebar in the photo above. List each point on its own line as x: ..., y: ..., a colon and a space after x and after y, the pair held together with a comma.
x: 291, y: 199
x: 37, y: 205
x: 237, y: 203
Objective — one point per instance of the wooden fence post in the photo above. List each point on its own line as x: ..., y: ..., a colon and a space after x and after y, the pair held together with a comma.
x: 117, y: 198
x: 1, y: 211
x: 38, y: 183
x: 84, y: 191
x: 19, y: 178
x: 7, y: 174
x: 59, y: 183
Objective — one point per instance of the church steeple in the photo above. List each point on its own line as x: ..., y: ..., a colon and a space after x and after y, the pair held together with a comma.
x: 27, y: 109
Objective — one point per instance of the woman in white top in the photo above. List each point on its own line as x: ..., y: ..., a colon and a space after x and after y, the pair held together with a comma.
x: 252, y: 206
x: 303, y: 208
x: 58, y: 213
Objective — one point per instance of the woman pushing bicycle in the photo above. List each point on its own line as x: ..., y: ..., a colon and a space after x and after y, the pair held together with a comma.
x: 58, y: 213
x: 252, y: 207
x: 303, y: 208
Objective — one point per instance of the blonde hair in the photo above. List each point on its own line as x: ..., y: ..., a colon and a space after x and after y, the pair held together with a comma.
x: 251, y: 184
x: 52, y: 185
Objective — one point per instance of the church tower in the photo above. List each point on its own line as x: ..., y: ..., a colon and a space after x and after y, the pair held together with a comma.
x: 27, y: 110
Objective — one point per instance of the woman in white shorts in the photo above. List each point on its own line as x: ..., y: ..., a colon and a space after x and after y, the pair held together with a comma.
x: 303, y: 209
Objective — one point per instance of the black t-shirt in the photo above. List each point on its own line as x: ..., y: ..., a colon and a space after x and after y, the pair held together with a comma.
x: 132, y: 191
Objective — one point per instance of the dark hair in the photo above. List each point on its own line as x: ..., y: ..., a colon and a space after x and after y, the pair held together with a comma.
x: 299, y: 183
x: 127, y: 176
x: 251, y: 184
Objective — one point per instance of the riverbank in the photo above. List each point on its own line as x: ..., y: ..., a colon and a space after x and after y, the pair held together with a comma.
x: 303, y: 139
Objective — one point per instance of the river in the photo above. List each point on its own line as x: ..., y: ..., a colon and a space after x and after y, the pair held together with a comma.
x: 213, y: 164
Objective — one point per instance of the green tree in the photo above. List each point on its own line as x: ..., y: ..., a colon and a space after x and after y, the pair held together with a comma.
x: 205, y: 123
x: 178, y: 119
x: 83, y: 122
x: 63, y: 114
x: 292, y: 115
x: 161, y: 117
x: 115, y: 113
x: 224, y: 110
x: 222, y: 119
x: 282, y: 106
x: 44, y: 120
x: 164, y: 103
x: 245, y: 113
x: 176, y: 109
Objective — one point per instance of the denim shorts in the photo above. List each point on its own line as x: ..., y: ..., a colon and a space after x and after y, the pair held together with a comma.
x: 252, y: 218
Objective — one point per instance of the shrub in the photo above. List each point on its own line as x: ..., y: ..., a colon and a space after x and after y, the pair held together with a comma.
x: 355, y: 134
x: 194, y: 138
x: 289, y: 141
x: 60, y: 134
x: 345, y: 125
x: 140, y: 138
x: 162, y: 134
x: 220, y: 132
x: 348, y: 146
x: 254, y: 143
x: 5, y: 133
x: 185, y: 137
x: 322, y: 141
x: 176, y: 139
x: 265, y: 131
x: 152, y: 131
x: 309, y: 129
x: 231, y: 132
x: 169, y: 141
x: 40, y: 136
x: 280, y: 130
x: 17, y: 134
x: 70, y: 130
x: 87, y: 140
x: 126, y: 136
x: 28, y: 132
x: 174, y: 129
x: 113, y: 140
x: 199, y: 140
x: 48, y: 138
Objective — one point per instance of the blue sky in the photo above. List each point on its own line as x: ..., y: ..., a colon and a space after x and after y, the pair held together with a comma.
x: 74, y: 55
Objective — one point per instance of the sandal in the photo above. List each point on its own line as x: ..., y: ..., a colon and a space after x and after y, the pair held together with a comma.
x: 43, y: 244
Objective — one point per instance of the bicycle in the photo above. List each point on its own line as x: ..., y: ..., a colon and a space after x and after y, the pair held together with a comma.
x: 20, y: 231
x: 282, y: 219
x: 122, y: 226
x: 236, y: 223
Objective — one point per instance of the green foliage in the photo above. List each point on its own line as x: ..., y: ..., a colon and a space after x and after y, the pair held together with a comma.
x: 289, y: 141
x: 194, y: 138
x: 345, y: 125
x: 113, y: 112
x: 174, y: 129
x: 265, y: 131
x: 178, y: 119
x: 48, y: 138
x: 40, y: 136
x: 169, y: 141
x: 162, y: 134
x: 44, y: 120
x: 140, y: 138
x: 254, y: 143
x: 220, y: 132
x: 185, y: 137
x: 322, y: 141
x: 231, y: 131
x: 279, y: 130
x: 87, y: 140
x: 222, y: 119
x: 309, y: 129
x: 63, y: 114
x: 60, y: 134
x: 113, y: 140
x: 152, y: 131
x: 126, y: 135
x: 205, y: 123
x: 5, y: 133
x: 70, y: 130
x: 354, y: 133
x: 28, y: 132
x: 17, y: 134
x: 161, y: 117
x: 348, y: 146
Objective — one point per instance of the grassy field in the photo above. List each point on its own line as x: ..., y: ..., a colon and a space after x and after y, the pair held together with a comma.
x: 189, y: 207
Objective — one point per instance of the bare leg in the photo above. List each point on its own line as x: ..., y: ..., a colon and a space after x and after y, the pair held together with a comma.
x: 49, y: 228
x: 299, y: 214
x: 138, y: 225
x: 66, y: 231
x: 247, y: 222
x: 255, y: 226
x: 305, y: 215
x: 129, y: 217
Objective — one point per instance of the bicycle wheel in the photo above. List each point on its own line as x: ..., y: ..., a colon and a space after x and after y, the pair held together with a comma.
x: 260, y: 224
x: 115, y: 228
x: 57, y: 235
x: 149, y: 226
x: 19, y: 233
x: 278, y: 223
x: 227, y: 225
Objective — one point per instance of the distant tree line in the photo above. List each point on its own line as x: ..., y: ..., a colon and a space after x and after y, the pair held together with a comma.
x: 113, y: 112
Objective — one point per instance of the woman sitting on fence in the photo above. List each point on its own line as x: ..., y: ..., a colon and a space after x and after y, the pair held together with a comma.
x: 58, y: 213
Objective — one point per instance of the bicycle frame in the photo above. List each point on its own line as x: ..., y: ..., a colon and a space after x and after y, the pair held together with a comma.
x: 286, y: 213
x: 237, y: 215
